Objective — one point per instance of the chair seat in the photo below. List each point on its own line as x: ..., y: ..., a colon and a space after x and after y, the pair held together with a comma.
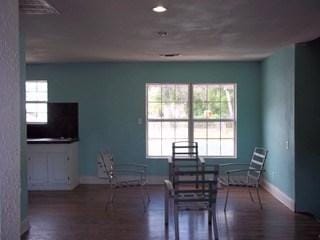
x: 233, y: 181
x: 128, y: 184
x: 194, y: 207
x: 191, y: 197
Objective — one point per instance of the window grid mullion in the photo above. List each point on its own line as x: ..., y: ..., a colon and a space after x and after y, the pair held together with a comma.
x: 175, y: 116
x: 190, y: 120
x: 168, y: 120
x: 207, y: 138
x: 161, y: 126
x: 36, y: 102
x: 220, y: 120
x: 212, y: 120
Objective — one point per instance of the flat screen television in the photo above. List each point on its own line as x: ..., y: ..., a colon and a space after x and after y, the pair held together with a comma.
x: 62, y: 122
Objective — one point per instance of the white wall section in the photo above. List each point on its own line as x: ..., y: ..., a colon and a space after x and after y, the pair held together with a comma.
x: 10, y: 87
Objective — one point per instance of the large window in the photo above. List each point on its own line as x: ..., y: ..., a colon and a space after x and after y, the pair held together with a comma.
x: 205, y: 113
x: 36, y: 101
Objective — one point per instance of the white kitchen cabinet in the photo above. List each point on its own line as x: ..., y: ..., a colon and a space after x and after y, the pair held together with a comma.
x: 53, y: 166
x: 58, y: 168
x: 37, y: 167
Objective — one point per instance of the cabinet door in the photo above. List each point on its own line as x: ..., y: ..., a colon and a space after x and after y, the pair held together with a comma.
x: 37, y: 168
x: 58, y: 167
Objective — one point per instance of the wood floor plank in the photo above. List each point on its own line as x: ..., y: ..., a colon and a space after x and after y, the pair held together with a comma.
x: 80, y: 215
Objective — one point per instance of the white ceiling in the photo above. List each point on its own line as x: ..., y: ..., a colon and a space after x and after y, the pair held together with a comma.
x: 126, y: 30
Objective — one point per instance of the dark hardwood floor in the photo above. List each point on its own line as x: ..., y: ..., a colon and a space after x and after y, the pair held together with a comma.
x: 80, y: 214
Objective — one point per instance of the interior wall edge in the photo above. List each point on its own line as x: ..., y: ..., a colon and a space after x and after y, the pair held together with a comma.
x: 278, y: 118
x: 25, y: 226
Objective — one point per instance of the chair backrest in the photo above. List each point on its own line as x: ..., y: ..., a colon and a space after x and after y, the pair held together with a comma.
x: 185, y: 154
x: 185, y: 191
x: 257, y: 163
x: 106, y: 162
x: 185, y: 150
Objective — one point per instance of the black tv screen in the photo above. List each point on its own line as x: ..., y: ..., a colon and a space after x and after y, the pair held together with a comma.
x: 62, y: 122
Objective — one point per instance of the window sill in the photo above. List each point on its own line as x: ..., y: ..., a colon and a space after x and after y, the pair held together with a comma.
x: 37, y: 123
x: 205, y: 157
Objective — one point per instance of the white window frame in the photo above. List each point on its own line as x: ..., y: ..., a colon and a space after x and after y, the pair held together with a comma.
x: 37, y: 102
x: 191, y: 119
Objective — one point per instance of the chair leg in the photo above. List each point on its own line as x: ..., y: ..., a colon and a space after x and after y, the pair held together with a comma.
x: 111, y: 197
x: 214, y: 220
x: 176, y: 222
x: 251, y: 197
x: 258, y: 194
x: 210, y: 216
x: 166, y: 209
x: 145, y: 188
x: 248, y: 186
x: 227, y: 196
x: 142, y: 197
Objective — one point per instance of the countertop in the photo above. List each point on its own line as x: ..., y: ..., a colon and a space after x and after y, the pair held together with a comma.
x: 51, y: 140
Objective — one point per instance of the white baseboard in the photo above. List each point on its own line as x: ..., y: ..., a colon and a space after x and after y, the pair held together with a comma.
x: 279, y: 195
x: 97, y: 180
x: 25, y: 226
x: 156, y: 180
x: 92, y: 180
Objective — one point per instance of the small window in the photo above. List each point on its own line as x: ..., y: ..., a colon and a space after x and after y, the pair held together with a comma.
x: 36, y: 102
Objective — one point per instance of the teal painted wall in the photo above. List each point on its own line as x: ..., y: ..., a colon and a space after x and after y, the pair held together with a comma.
x: 111, y: 98
x: 278, y: 119
x: 307, y: 120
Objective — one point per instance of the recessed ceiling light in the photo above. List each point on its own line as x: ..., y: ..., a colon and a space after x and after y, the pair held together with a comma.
x: 159, y: 9
x: 162, y: 33
x: 170, y: 55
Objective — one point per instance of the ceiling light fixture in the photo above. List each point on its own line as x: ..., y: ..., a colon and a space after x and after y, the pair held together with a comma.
x: 162, y: 33
x: 159, y: 9
x: 168, y: 55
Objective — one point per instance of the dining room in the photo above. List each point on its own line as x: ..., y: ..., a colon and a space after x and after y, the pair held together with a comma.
x: 85, y: 81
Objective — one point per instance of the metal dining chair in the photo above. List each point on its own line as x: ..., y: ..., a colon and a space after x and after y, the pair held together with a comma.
x: 191, y: 186
x: 123, y: 176
x: 184, y: 195
x: 253, y: 173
